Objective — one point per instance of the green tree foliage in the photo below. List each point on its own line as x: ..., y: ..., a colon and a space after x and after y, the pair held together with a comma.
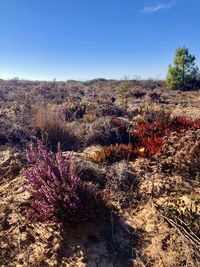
x: 184, y: 74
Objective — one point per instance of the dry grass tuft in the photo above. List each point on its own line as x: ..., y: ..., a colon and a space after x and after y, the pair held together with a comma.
x: 53, y: 129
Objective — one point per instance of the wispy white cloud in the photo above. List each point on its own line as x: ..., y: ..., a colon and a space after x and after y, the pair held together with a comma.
x: 157, y: 7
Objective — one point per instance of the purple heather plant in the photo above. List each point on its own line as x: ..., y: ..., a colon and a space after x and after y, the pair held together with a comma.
x: 53, y: 186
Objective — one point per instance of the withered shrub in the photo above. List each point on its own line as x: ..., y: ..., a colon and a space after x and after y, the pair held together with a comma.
x: 182, y: 154
x: 52, y: 129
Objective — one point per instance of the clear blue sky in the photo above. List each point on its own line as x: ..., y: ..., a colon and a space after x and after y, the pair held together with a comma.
x: 84, y: 39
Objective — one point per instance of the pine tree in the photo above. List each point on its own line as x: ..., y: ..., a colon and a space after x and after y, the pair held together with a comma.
x: 184, y: 74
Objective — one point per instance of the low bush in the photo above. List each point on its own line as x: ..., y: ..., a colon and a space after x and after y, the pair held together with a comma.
x: 182, y: 154
x: 53, y: 185
x: 56, y: 192
x: 102, y: 132
x: 13, y: 133
x: 52, y: 129
x: 136, y: 92
x: 114, y: 153
x: 157, y: 115
x: 145, y: 139
x: 71, y: 112
x: 124, y: 86
x: 112, y: 110
x: 181, y: 123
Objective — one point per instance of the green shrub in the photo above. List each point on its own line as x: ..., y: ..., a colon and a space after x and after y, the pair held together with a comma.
x: 124, y: 86
x: 184, y: 74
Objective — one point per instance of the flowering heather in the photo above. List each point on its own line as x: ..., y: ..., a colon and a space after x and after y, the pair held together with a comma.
x: 53, y: 187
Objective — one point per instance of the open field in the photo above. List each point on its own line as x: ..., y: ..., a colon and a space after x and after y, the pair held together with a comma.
x: 146, y: 203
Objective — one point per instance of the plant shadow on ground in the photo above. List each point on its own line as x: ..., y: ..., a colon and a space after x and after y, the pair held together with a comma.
x: 108, y: 242
x: 105, y: 241
x: 102, y: 239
